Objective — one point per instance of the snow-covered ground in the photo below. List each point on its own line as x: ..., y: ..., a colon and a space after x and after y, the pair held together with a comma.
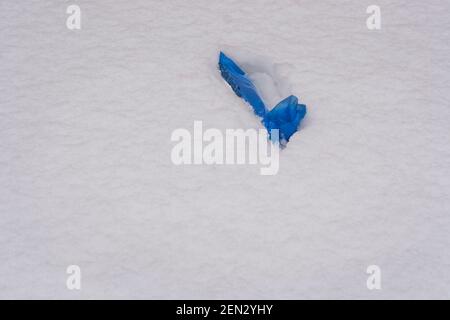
x: 86, y: 177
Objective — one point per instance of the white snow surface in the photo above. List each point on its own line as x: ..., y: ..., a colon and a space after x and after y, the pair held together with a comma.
x: 86, y: 177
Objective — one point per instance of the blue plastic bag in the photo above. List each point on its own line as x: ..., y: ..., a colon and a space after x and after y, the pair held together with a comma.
x: 285, y: 116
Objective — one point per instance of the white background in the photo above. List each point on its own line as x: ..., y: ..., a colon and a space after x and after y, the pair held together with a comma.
x: 86, y: 176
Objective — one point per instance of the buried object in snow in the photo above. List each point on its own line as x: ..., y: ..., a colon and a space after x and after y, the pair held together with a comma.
x: 285, y: 116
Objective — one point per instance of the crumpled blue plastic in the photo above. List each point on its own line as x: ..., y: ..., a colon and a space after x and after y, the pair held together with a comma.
x: 285, y: 116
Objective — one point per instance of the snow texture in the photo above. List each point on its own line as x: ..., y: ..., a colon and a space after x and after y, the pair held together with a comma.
x: 86, y: 177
